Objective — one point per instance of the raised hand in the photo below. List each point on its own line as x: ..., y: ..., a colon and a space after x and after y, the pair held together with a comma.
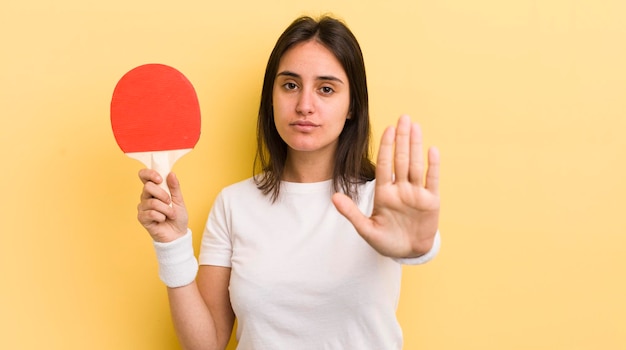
x: 405, y: 216
x: 164, y: 218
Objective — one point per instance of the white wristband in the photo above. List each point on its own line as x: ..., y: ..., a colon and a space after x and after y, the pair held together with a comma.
x: 177, y: 263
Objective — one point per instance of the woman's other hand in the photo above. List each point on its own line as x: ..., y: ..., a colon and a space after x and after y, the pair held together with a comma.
x: 405, y: 217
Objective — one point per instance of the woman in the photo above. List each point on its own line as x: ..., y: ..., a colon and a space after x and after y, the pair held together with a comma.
x: 307, y: 253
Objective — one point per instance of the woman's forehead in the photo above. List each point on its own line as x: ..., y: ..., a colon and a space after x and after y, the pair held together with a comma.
x: 311, y: 58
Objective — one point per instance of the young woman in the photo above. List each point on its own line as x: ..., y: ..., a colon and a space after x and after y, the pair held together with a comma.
x: 307, y: 253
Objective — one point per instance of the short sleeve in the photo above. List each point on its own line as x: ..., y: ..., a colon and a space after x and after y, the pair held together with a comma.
x: 216, y: 246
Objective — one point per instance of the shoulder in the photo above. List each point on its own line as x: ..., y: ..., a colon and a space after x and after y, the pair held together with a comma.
x: 366, y: 196
x: 241, y: 192
x: 366, y: 189
x: 368, y: 186
x: 244, y: 186
x: 236, y: 195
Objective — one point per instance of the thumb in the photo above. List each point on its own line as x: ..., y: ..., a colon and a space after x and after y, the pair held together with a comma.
x: 175, y: 191
x: 346, y: 207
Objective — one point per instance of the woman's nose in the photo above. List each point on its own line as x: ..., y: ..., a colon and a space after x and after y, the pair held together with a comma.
x: 306, y: 102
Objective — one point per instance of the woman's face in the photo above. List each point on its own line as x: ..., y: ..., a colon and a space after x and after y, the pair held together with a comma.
x: 311, y: 98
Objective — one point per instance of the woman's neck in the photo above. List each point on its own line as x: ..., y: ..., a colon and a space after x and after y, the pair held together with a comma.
x: 306, y: 167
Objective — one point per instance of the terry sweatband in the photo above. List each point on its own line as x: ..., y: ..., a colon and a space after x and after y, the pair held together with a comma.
x: 177, y: 263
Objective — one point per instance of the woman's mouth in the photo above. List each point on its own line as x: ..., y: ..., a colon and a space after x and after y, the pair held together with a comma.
x: 304, y: 125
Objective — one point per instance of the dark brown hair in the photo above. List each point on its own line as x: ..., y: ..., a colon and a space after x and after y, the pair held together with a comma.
x: 352, y: 162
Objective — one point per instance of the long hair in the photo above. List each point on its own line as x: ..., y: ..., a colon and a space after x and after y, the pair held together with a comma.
x: 352, y: 161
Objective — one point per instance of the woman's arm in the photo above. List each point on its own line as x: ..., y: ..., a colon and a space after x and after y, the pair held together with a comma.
x: 201, y: 310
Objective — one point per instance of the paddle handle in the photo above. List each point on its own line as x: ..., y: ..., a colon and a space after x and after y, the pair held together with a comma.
x: 161, y: 161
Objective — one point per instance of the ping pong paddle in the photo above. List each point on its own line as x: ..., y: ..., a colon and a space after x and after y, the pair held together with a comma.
x: 155, y: 116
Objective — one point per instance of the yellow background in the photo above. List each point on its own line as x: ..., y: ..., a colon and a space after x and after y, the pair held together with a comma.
x: 526, y: 100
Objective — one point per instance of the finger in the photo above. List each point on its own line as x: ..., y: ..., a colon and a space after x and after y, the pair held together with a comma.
x: 432, y: 175
x: 402, y: 149
x: 150, y: 175
x: 416, y: 168
x: 153, y: 211
x: 150, y: 217
x: 153, y: 190
x: 154, y: 204
x: 384, y: 162
x: 176, y: 192
x: 346, y: 207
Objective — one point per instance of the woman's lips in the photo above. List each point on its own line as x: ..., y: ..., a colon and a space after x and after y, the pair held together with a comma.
x: 304, y: 125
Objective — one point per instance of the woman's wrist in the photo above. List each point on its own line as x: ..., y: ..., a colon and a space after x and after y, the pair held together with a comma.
x: 178, y: 265
x: 434, y: 250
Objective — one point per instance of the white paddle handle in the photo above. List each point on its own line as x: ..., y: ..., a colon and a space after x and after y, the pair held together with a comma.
x: 161, y: 161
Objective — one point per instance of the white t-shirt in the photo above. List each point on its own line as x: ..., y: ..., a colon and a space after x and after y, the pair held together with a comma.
x: 301, y: 276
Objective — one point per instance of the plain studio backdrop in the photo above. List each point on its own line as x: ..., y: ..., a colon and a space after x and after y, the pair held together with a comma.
x: 526, y: 100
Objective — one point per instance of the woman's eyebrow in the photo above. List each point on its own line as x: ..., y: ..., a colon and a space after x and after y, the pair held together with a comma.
x: 330, y: 78
x: 297, y: 76
x: 288, y: 74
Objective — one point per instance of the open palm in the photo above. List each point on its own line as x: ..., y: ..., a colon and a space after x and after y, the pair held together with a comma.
x: 405, y: 216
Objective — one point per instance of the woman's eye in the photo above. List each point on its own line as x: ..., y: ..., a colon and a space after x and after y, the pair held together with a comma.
x: 290, y: 86
x: 327, y: 90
